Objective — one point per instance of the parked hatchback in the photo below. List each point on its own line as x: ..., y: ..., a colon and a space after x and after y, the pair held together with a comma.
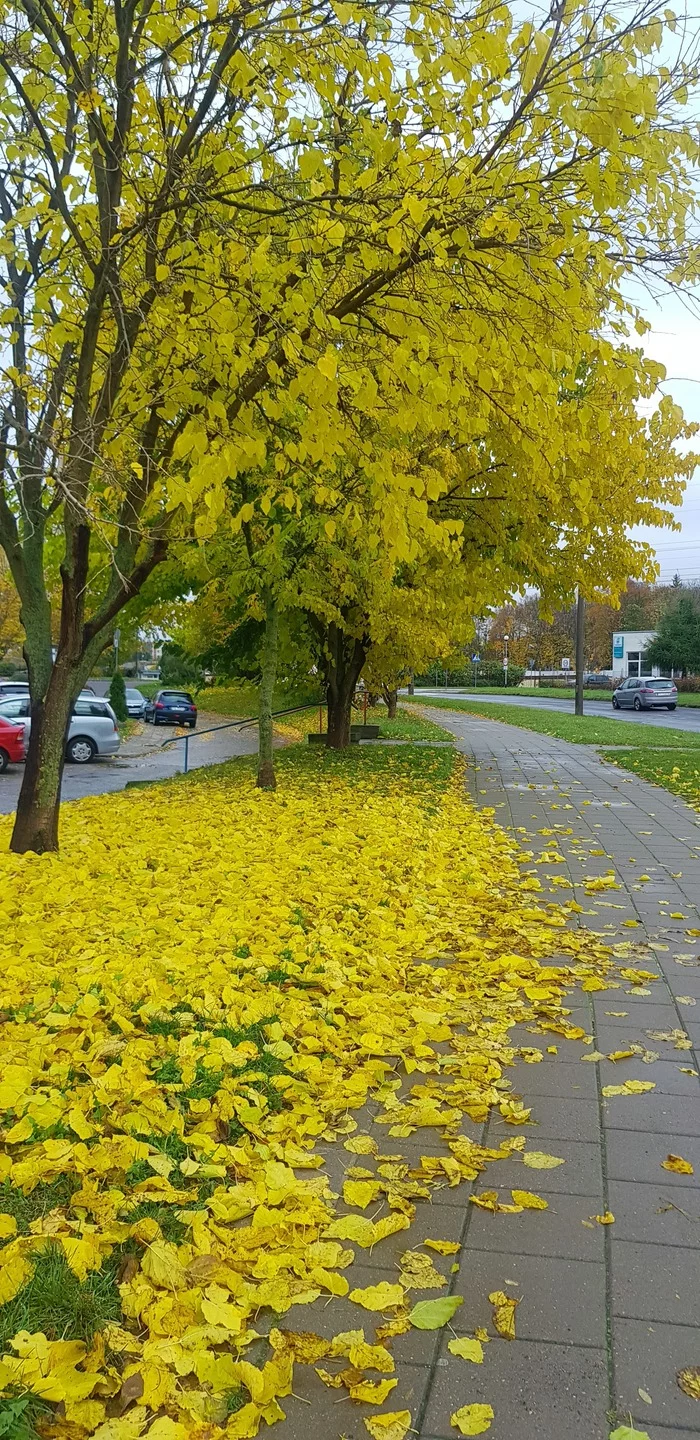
x: 12, y: 744
x: 171, y: 707
x: 646, y: 694
x: 135, y: 703
x: 93, y: 728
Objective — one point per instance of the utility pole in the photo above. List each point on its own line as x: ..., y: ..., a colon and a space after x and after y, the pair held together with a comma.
x: 506, y: 638
x: 580, y: 642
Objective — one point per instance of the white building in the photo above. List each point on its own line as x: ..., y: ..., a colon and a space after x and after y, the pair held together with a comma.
x: 628, y: 654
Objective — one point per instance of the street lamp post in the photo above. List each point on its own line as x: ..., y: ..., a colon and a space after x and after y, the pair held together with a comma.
x: 505, y: 660
x: 580, y: 645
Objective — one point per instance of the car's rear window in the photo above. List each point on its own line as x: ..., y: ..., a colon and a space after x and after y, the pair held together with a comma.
x: 178, y: 695
x: 661, y: 684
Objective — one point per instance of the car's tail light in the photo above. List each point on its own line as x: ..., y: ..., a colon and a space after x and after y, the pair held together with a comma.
x: 159, y: 705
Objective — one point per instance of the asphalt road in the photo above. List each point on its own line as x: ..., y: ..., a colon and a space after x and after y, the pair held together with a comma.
x: 684, y: 718
x: 141, y: 757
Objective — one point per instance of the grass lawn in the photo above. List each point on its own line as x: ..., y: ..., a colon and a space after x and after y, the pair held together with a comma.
x: 581, y: 729
x: 208, y: 981
x: 677, y: 770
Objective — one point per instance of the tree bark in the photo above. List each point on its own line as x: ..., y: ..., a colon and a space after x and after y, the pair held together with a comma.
x: 391, y: 698
x: 266, y: 767
x: 344, y: 659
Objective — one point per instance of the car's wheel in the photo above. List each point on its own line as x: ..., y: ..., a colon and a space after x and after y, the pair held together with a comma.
x: 81, y: 750
x: 615, y: 703
x: 671, y: 707
x: 192, y: 723
x: 4, y: 761
x: 637, y: 703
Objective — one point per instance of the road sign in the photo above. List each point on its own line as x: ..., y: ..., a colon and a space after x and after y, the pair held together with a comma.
x: 115, y: 641
x: 475, y: 659
x: 566, y: 663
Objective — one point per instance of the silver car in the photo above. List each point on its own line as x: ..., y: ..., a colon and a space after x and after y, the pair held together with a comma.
x: 135, y: 702
x: 93, y: 728
x: 645, y: 694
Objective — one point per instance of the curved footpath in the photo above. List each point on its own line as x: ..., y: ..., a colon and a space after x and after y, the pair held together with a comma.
x: 609, y: 1315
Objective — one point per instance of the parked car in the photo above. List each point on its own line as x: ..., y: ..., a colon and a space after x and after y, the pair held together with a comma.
x: 93, y: 728
x: 645, y: 694
x: 135, y: 702
x: 12, y: 744
x: 13, y: 687
x: 171, y: 707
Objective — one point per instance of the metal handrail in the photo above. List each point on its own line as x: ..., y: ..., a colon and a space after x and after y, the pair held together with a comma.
x: 230, y: 725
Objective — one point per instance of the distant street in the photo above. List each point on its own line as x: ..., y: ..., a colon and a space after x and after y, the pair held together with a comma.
x: 684, y: 718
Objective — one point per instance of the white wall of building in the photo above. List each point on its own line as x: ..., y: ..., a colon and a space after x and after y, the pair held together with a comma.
x: 628, y: 649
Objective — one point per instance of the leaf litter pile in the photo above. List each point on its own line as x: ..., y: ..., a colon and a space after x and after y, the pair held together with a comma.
x: 200, y: 995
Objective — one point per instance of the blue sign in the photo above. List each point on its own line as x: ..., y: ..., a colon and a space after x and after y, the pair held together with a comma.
x: 618, y: 647
x: 475, y: 659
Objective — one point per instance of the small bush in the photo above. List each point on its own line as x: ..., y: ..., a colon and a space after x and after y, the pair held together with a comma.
x: 117, y: 696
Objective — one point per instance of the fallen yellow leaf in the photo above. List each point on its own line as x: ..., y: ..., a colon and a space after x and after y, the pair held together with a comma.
x: 678, y: 1165
x: 472, y: 1419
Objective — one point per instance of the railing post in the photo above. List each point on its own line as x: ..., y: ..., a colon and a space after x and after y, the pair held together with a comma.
x: 187, y: 752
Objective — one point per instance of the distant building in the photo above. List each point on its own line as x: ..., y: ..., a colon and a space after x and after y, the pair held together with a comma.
x: 628, y: 654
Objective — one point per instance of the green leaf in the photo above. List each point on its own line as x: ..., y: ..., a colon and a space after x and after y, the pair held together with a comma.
x: 625, y: 1432
x: 431, y: 1314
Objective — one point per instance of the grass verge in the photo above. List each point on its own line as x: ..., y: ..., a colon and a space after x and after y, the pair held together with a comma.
x: 580, y: 729
x: 677, y: 770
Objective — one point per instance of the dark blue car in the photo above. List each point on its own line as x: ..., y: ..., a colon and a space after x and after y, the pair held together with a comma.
x: 171, y: 707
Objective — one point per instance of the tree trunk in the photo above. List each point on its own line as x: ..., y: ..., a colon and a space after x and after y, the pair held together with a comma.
x: 391, y: 698
x: 266, y: 767
x: 411, y: 685
x: 345, y: 657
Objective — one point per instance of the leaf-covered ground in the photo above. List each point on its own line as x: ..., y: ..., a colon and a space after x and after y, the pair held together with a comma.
x: 203, y: 989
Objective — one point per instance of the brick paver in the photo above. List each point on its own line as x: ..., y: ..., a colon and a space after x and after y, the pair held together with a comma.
x: 608, y: 1315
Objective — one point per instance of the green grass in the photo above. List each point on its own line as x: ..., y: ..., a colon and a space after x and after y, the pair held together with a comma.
x: 582, y: 730
x: 58, y: 1303
x: 18, y: 1413
x: 242, y: 700
x: 677, y: 770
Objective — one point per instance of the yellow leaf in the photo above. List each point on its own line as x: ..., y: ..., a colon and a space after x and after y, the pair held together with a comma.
x: 607, y: 1219
x: 361, y: 1145
x: 538, y: 1160
x: 678, y: 1165
x: 378, y: 1297
x: 467, y: 1349
x: 443, y: 1247
x: 8, y: 1226
x: 528, y: 1201
x: 630, y: 1087
x: 504, y: 1309
x: 472, y: 1419
x: 328, y: 364
x: 392, y: 1426
x: 161, y: 1264
x: 370, y: 1357
x: 374, y: 1392
x: 689, y: 1381
x: 360, y: 1192
x: 15, y: 1271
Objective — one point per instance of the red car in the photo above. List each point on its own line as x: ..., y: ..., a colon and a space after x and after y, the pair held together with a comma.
x: 11, y: 743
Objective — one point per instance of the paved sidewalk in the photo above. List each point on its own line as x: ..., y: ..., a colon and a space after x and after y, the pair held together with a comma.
x: 608, y: 1315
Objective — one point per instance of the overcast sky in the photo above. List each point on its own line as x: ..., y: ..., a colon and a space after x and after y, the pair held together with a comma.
x: 675, y: 340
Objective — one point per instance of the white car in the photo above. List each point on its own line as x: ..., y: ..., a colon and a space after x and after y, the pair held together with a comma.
x: 93, y: 728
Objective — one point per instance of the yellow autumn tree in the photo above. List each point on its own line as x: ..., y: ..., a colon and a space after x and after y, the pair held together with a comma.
x: 212, y: 212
